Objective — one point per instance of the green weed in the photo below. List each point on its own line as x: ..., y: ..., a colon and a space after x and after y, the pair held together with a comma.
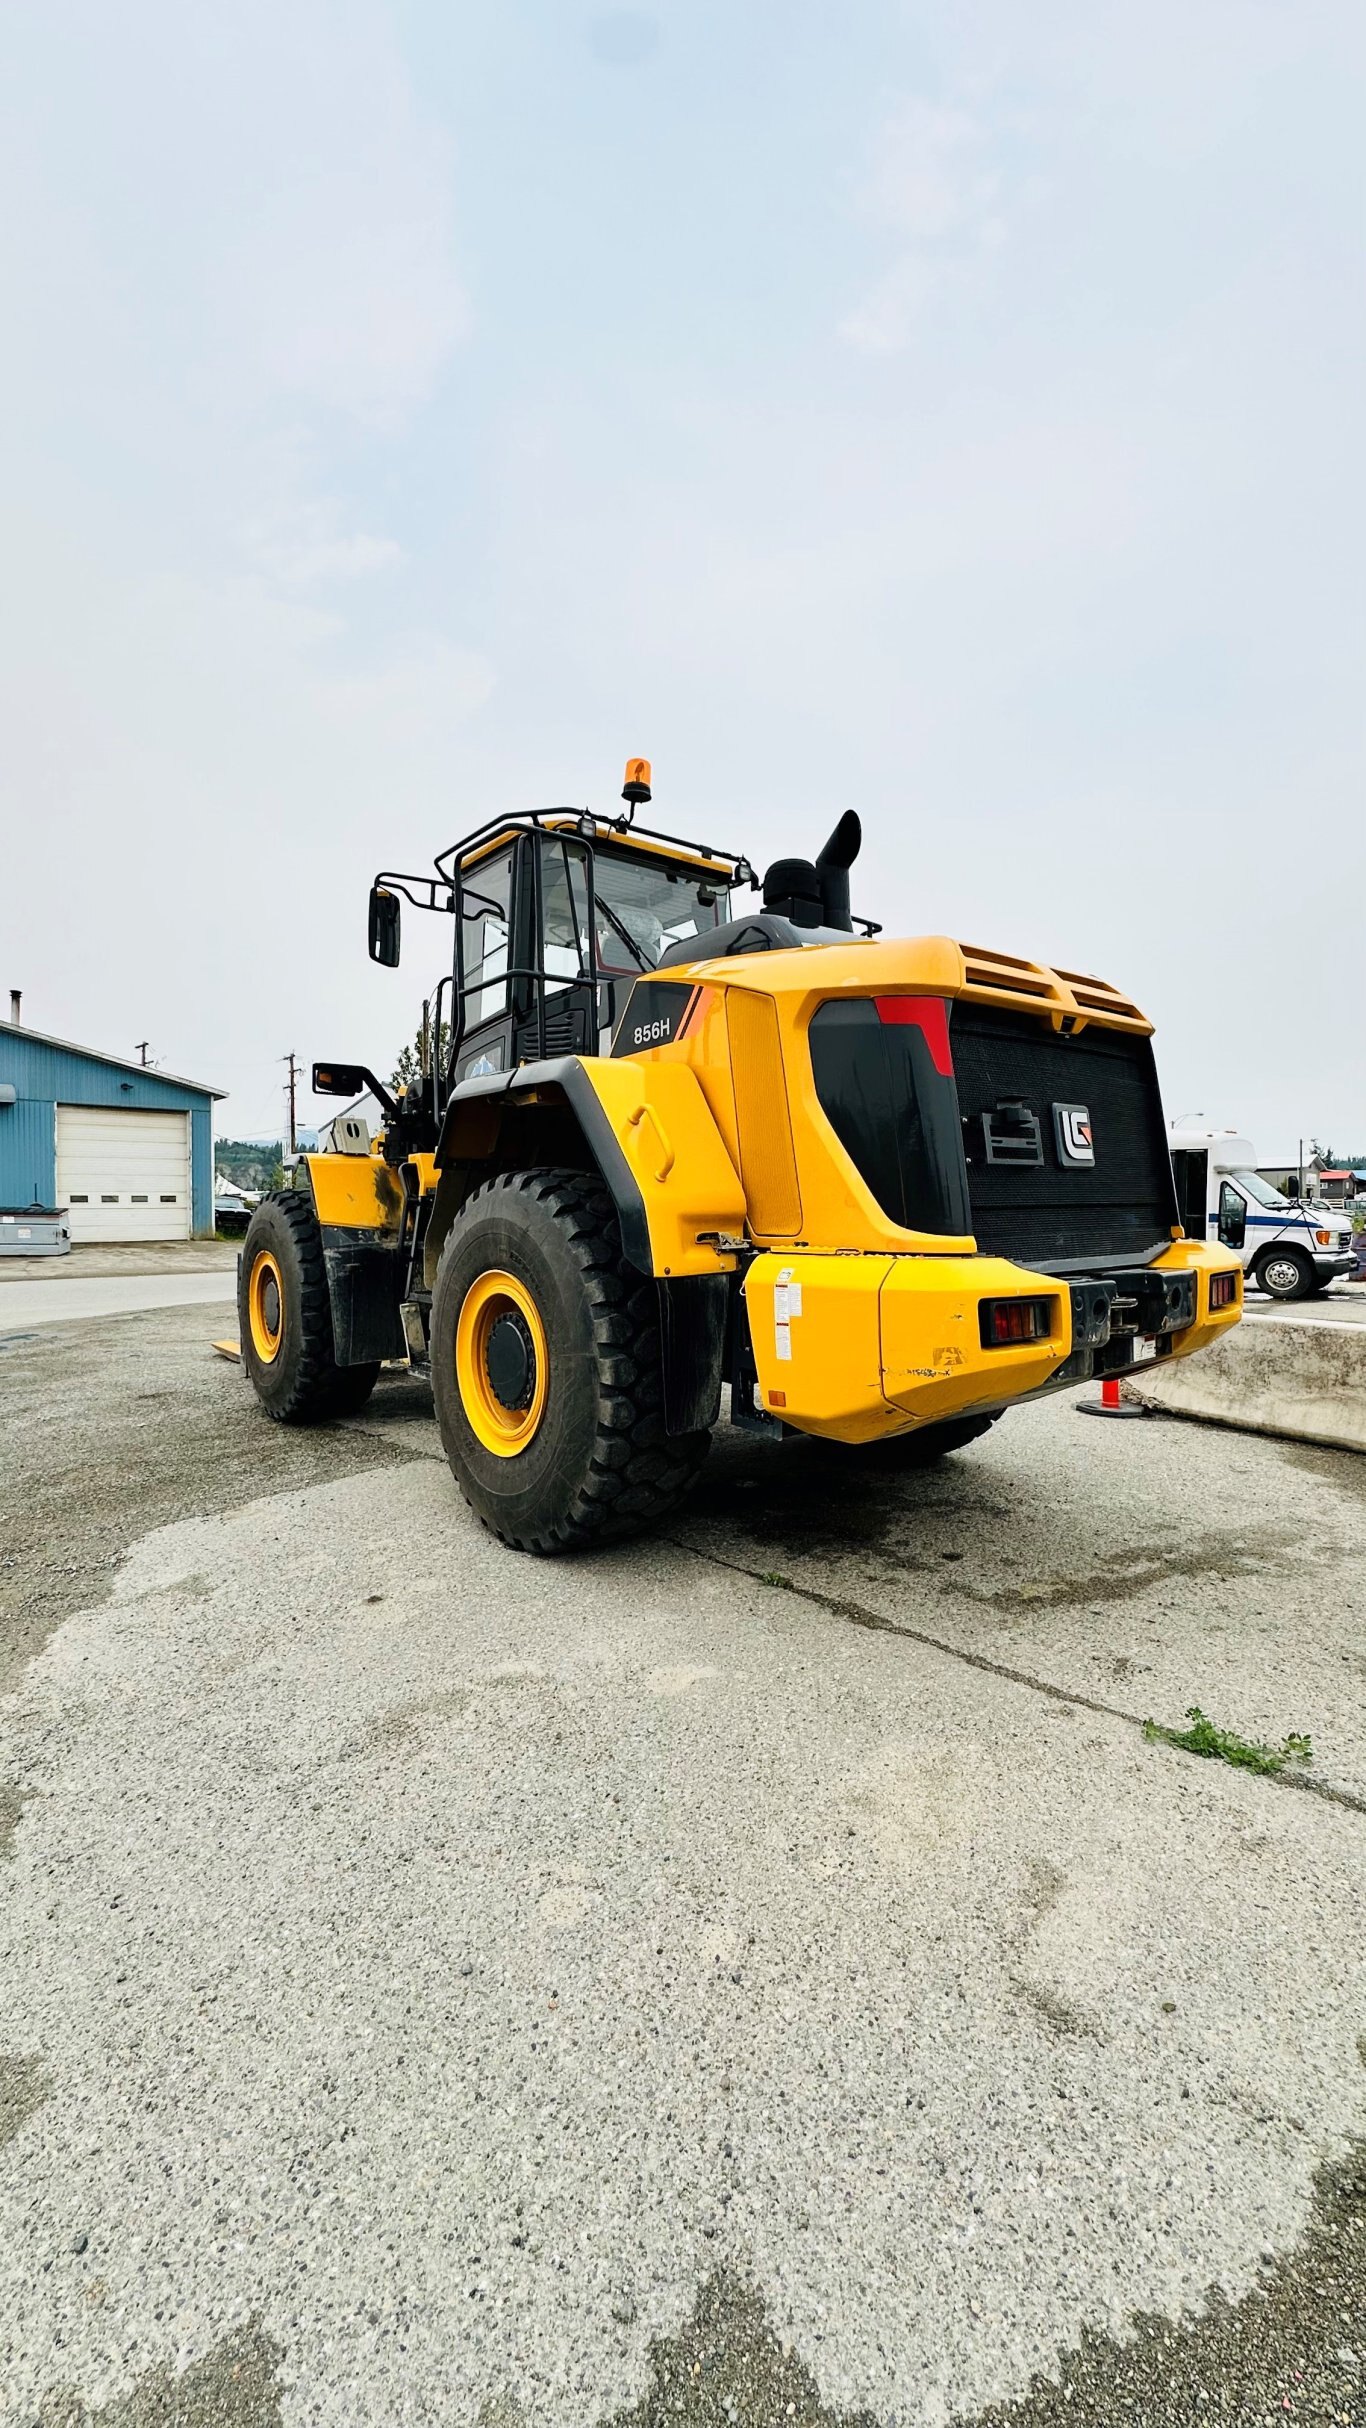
x: 774, y: 1576
x: 1225, y: 1745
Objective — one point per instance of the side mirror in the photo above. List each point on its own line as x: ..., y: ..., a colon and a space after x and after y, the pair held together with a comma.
x: 340, y: 1079
x: 385, y: 924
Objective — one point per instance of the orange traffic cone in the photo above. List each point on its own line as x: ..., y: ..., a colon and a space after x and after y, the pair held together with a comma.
x: 1110, y: 1403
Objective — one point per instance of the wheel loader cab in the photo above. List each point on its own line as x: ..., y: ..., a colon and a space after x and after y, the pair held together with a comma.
x: 554, y: 920
x: 882, y: 1189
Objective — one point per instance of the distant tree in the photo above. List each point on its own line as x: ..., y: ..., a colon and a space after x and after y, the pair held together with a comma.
x: 247, y: 1162
x: 408, y: 1068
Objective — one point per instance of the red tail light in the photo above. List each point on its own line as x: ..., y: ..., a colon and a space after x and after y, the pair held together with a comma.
x: 929, y: 1014
x: 1223, y: 1290
x: 1009, y: 1322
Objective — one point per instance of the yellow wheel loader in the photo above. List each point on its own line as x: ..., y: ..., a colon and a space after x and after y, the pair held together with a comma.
x: 661, y: 1146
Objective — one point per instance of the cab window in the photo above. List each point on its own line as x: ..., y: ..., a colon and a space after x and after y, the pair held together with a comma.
x: 564, y: 910
x: 487, y: 899
x: 642, y: 906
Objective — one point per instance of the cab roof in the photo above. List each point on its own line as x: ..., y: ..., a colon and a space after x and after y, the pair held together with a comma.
x: 614, y: 834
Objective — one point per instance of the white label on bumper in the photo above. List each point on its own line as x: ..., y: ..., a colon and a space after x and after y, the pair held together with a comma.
x: 1144, y: 1351
x: 787, y: 1304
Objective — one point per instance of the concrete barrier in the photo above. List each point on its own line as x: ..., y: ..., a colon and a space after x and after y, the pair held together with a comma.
x: 1271, y: 1375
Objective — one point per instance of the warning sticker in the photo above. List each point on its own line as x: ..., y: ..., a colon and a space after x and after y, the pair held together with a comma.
x: 787, y: 1306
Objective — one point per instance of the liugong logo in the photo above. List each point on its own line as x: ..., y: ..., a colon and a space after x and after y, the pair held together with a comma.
x: 1072, y: 1133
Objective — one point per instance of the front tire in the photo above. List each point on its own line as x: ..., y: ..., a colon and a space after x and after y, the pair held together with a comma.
x: 547, y: 1368
x: 285, y: 1318
x: 1285, y: 1273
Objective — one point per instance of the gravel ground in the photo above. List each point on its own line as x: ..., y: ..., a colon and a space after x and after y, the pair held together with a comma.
x: 763, y: 1975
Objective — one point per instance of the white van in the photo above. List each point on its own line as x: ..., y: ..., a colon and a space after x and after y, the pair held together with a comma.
x: 1290, y: 1250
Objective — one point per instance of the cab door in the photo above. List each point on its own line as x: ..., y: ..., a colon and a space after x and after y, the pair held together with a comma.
x: 557, y: 1013
x: 1232, y: 1217
x: 484, y: 965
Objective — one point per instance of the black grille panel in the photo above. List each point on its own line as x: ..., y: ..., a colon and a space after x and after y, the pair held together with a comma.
x: 568, y: 1027
x: 1049, y: 1213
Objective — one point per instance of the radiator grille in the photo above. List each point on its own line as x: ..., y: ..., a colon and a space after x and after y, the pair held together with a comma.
x: 768, y: 1166
x: 1049, y: 1213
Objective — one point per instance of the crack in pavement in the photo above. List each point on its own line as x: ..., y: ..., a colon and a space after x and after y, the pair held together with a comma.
x: 858, y: 1614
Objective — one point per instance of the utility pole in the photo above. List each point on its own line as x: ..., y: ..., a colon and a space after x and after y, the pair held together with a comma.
x: 143, y: 1045
x: 292, y: 1093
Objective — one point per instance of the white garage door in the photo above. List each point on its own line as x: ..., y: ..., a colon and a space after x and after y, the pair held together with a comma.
x: 125, y: 1175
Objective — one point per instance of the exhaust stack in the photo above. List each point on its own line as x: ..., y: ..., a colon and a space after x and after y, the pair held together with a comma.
x: 15, y: 999
x: 833, y: 863
x: 815, y: 893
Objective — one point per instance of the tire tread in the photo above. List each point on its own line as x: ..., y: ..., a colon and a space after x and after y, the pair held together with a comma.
x: 637, y: 1473
x: 319, y: 1388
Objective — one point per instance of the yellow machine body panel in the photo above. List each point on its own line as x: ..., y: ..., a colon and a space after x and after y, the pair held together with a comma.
x: 746, y: 1038
x: 814, y: 1326
x: 933, y: 1361
x: 859, y: 1326
x: 855, y: 1348
x: 678, y: 1158
x: 356, y: 1192
x: 858, y: 1347
x: 1204, y: 1260
x: 674, y: 1161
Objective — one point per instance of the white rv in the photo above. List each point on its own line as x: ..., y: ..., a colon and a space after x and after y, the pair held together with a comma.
x: 1290, y: 1250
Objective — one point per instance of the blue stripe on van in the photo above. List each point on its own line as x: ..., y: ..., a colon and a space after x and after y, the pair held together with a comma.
x: 1271, y: 1222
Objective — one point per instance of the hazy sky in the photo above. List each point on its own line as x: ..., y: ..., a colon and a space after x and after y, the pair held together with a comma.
x: 956, y: 411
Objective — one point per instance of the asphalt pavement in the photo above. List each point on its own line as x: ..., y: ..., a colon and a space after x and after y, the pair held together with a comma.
x: 765, y: 1974
x: 65, y: 1300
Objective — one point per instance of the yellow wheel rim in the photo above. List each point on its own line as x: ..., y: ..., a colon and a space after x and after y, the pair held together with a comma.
x: 266, y: 1307
x: 501, y: 1366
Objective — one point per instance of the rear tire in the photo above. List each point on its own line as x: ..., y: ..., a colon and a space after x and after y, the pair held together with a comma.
x: 547, y: 1368
x: 1285, y: 1273
x: 285, y: 1318
x: 928, y: 1443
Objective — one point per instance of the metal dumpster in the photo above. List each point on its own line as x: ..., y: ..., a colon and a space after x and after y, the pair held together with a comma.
x: 34, y: 1231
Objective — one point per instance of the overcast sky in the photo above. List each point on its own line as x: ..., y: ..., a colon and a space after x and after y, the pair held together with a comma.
x: 954, y: 411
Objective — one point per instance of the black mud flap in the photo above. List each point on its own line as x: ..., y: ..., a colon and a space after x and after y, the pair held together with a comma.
x: 365, y: 1284
x: 692, y: 1321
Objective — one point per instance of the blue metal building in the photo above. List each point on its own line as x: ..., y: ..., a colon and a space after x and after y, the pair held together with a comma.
x: 129, y: 1150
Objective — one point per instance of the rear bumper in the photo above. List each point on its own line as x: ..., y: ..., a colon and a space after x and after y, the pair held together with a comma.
x: 857, y: 1347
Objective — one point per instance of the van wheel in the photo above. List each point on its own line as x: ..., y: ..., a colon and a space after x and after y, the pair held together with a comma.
x: 285, y: 1317
x: 1285, y: 1273
x: 547, y: 1368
